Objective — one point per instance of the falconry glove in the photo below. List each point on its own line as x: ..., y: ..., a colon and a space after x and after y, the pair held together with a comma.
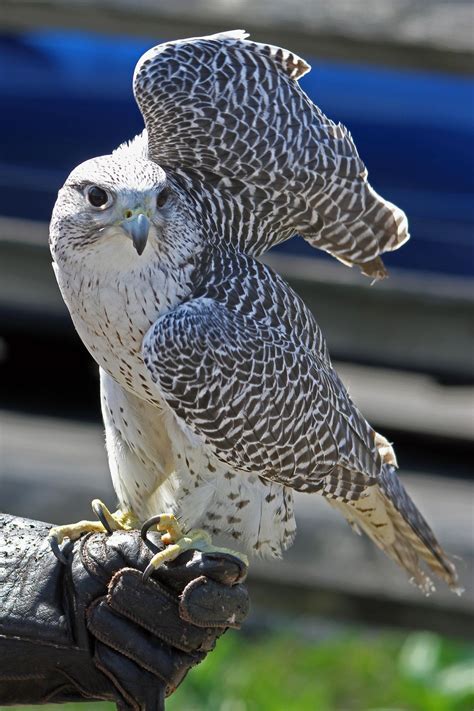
x: 93, y: 628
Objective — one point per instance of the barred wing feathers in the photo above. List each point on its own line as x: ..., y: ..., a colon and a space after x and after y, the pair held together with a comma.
x: 244, y: 364
x: 229, y: 117
x: 261, y: 393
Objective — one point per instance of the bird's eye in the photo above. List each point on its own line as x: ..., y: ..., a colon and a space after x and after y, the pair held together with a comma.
x: 162, y: 197
x: 98, y: 197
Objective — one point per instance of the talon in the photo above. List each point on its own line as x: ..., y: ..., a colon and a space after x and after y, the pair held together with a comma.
x: 107, y: 523
x: 153, y: 521
x: 54, y: 545
x: 163, y: 522
x: 169, y: 553
x: 106, y: 518
x: 147, y: 572
x: 176, y: 542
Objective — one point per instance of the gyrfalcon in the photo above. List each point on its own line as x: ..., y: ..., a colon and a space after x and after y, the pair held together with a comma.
x: 218, y: 394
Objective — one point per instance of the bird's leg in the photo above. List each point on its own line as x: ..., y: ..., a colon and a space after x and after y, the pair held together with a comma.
x: 107, y: 523
x: 176, y: 541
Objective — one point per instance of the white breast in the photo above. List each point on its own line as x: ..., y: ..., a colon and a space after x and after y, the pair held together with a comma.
x: 156, y: 464
x: 113, y: 310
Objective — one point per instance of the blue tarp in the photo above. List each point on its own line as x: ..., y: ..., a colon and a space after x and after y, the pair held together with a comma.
x: 67, y: 97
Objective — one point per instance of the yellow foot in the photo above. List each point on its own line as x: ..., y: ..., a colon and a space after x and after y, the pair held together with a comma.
x: 116, y: 521
x: 107, y: 523
x: 177, y: 542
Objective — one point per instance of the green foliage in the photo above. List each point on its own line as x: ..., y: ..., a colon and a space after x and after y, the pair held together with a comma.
x: 350, y: 672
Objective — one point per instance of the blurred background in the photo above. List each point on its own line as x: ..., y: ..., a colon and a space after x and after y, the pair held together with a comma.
x: 335, y: 626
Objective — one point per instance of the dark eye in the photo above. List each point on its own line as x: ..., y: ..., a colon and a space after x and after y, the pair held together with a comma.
x: 98, y: 197
x: 162, y: 197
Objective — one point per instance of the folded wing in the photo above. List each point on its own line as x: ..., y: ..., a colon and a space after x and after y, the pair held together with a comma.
x: 244, y: 365
x: 235, y: 367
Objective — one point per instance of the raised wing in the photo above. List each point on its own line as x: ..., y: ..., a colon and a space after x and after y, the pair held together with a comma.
x: 228, y: 115
x: 239, y: 366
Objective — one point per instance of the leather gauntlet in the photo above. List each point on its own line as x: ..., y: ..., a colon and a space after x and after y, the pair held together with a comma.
x: 94, y: 629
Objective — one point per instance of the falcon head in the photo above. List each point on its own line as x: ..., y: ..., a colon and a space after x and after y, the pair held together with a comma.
x: 122, y: 208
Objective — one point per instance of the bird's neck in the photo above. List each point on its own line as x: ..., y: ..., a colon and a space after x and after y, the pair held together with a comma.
x: 112, y: 310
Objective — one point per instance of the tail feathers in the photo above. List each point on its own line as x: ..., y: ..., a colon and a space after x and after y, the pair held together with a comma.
x: 390, y: 518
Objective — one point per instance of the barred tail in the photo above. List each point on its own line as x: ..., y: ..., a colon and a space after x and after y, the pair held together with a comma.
x: 390, y: 518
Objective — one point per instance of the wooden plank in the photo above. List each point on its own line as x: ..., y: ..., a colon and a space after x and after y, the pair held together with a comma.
x: 51, y: 469
x: 412, y: 321
x: 410, y: 402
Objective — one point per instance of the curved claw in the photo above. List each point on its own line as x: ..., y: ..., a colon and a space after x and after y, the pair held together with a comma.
x: 169, y: 553
x: 153, y: 521
x: 148, y: 571
x: 54, y: 545
x: 97, y: 508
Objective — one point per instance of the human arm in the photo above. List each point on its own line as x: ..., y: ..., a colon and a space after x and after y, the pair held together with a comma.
x: 93, y: 629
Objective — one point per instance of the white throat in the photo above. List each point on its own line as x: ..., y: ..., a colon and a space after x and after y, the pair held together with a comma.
x: 113, y: 303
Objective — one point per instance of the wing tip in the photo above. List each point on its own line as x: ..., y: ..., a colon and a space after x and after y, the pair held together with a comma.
x: 293, y: 65
x: 374, y: 268
x: 396, y: 234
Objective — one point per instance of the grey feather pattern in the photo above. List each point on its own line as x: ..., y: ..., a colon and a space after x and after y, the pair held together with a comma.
x: 228, y: 116
x: 218, y: 393
x: 244, y: 364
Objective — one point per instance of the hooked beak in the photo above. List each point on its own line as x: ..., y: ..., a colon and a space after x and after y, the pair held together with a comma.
x: 137, y: 227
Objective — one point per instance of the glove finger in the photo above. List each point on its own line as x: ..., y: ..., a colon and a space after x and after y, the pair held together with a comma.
x: 156, y: 610
x: 139, y: 690
x: 206, y: 603
x: 222, y: 567
x: 102, y: 555
x: 139, y: 646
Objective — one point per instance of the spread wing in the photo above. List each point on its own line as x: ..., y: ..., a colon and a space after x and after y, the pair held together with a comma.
x: 233, y: 367
x: 228, y: 115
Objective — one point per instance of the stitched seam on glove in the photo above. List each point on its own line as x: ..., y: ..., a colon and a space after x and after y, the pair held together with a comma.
x: 40, y: 643
x: 108, y: 643
x: 140, y: 663
x: 129, y: 699
x: 22, y: 677
x: 74, y: 683
x: 158, y: 631
x: 89, y: 563
x: 115, y: 580
x: 59, y: 690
